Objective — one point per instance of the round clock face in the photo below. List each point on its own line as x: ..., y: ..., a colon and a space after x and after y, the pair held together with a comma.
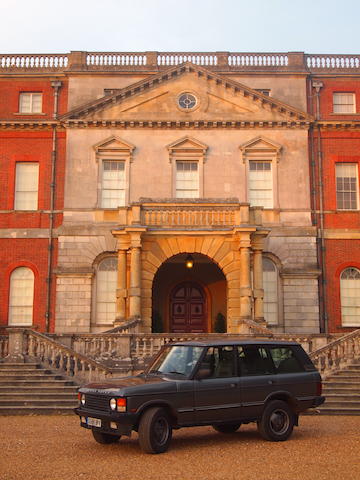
x: 187, y: 101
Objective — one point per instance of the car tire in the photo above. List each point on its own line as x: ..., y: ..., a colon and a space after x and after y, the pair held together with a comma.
x: 105, y: 438
x: 227, y: 427
x: 277, y: 421
x: 155, y: 431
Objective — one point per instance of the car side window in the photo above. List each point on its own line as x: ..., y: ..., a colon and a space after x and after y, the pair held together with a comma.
x: 219, y: 361
x: 254, y: 360
x: 285, y: 360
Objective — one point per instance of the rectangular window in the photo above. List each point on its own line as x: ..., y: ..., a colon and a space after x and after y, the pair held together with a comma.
x: 347, y: 186
x: 113, y: 184
x: 344, y: 102
x: 26, y: 186
x: 30, y: 103
x: 187, y: 180
x: 260, y: 184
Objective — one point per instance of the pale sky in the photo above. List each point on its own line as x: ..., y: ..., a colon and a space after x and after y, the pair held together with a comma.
x: 311, y: 26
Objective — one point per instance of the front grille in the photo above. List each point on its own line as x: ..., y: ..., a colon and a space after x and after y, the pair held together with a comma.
x: 97, y: 402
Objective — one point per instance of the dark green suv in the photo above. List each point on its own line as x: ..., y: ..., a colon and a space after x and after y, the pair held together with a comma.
x: 223, y: 384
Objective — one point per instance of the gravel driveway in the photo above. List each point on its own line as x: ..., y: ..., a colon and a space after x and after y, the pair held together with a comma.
x: 56, y: 448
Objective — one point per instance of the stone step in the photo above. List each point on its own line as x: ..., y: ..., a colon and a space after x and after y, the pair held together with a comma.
x: 28, y: 372
x: 339, y: 411
x: 54, y: 388
x: 38, y: 383
x: 346, y: 373
x: 355, y: 397
x: 37, y: 410
x: 341, y: 404
x: 11, y: 397
x: 19, y: 366
x: 44, y: 376
x: 342, y: 381
x: 33, y: 402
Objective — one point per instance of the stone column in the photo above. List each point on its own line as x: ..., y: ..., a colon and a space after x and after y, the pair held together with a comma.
x: 245, y: 278
x: 121, y: 291
x: 258, y: 247
x: 135, y: 282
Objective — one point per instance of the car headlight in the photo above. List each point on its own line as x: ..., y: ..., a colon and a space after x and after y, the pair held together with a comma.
x: 81, y: 398
x: 113, y: 404
x: 118, y: 404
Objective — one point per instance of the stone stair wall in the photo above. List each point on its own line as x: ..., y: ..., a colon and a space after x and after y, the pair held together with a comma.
x: 30, y: 389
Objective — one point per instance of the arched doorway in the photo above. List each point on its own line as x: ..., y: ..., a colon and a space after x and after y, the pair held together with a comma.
x: 188, y: 308
x: 188, y: 300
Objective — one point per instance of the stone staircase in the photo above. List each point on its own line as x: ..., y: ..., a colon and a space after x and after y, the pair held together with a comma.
x: 30, y: 389
x: 342, y: 392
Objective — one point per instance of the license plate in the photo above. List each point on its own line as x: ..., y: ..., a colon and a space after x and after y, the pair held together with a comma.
x: 94, y: 422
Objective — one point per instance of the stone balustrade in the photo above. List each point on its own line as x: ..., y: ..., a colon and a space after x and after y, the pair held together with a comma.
x: 92, y: 357
x: 152, y: 60
x: 337, y: 354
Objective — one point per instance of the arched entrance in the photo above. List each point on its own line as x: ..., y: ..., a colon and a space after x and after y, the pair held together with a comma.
x: 188, y: 308
x: 188, y: 300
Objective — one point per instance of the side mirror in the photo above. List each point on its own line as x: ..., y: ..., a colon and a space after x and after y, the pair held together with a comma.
x: 203, y: 373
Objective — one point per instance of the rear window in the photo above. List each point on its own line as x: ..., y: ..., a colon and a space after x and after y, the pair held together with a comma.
x: 285, y: 360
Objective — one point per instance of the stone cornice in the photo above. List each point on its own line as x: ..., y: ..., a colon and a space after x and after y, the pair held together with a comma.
x: 196, y: 124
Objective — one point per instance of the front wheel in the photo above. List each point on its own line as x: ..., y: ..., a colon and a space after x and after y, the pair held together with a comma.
x: 277, y: 421
x: 155, y: 431
x: 105, y: 438
x: 227, y: 427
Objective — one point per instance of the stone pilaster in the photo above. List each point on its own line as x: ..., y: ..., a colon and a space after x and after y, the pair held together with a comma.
x: 121, y: 291
x: 245, y: 276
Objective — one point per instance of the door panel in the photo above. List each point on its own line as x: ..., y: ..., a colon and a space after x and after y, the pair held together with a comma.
x: 188, y: 309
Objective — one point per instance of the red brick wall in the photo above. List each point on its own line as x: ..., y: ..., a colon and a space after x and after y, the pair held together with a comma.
x: 333, y: 85
x: 10, y: 90
x: 31, y: 253
x: 33, y: 146
x: 339, y: 255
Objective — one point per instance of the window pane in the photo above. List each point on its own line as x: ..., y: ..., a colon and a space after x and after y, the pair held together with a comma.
x: 21, y: 297
x: 26, y: 186
x: 285, y: 360
x: 260, y: 184
x: 30, y: 103
x: 253, y: 360
x: 106, y: 284
x: 346, y: 186
x: 187, y: 180
x: 344, y: 102
x: 270, y: 284
x: 350, y: 297
x: 113, y: 184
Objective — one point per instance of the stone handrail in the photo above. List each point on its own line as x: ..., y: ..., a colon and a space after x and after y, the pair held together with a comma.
x: 152, y: 60
x: 59, y: 357
x: 337, y: 354
x: 131, y: 326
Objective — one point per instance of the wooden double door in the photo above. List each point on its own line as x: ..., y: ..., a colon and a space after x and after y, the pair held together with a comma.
x: 188, y: 309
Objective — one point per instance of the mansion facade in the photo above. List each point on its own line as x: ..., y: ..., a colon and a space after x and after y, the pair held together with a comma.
x: 185, y: 193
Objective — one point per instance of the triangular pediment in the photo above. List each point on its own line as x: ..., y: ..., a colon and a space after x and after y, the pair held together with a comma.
x: 113, y: 144
x: 158, y: 99
x: 187, y: 143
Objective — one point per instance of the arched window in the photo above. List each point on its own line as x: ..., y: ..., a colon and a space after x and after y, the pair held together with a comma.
x: 350, y: 297
x: 271, y: 297
x: 21, y: 300
x: 106, y: 282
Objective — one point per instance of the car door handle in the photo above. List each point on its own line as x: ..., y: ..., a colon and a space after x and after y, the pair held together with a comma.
x: 233, y: 385
x: 271, y: 382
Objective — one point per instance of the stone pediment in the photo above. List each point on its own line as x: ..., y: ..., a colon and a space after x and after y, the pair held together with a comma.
x: 215, y: 98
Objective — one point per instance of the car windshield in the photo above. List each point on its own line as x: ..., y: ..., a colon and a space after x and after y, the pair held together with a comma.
x: 176, y: 359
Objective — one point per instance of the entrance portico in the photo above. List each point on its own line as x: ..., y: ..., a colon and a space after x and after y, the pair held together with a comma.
x: 227, y: 233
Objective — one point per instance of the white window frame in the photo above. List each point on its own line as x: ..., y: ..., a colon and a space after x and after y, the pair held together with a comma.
x: 182, y: 189
x: 34, y: 107
x: 275, y: 283
x: 252, y: 179
x: 338, y: 192
x: 341, y: 104
x: 117, y: 150
x: 103, y: 279
x: 261, y: 149
x: 21, y: 296
x: 119, y: 199
x: 21, y: 192
x: 350, y: 297
x: 187, y: 149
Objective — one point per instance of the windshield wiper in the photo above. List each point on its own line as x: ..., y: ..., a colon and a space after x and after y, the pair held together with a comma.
x: 178, y: 373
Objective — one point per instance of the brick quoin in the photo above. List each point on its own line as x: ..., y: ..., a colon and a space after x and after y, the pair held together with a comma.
x: 31, y: 253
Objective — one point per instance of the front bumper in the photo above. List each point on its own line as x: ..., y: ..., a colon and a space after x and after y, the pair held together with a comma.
x: 124, y: 422
x: 318, y: 401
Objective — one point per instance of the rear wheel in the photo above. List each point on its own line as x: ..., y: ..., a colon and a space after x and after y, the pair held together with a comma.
x: 105, y: 438
x: 227, y: 427
x: 277, y: 421
x: 155, y: 431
